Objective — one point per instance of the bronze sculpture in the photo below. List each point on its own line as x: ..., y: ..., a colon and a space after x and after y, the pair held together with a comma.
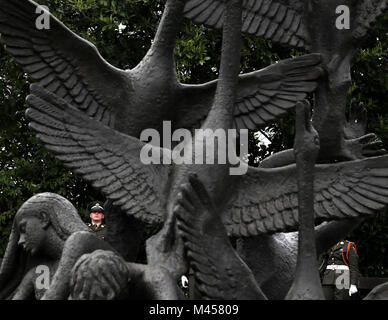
x: 105, y: 275
x: 242, y: 220
x: 49, y: 234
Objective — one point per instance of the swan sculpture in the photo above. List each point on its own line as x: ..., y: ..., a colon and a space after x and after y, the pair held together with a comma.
x: 219, y: 271
x: 143, y: 97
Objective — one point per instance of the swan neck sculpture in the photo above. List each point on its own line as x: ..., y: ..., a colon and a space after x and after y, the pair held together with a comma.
x: 161, y: 51
x: 221, y: 114
x: 306, y: 285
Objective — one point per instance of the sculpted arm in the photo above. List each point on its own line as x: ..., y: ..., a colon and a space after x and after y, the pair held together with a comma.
x: 25, y: 290
x: 76, y: 245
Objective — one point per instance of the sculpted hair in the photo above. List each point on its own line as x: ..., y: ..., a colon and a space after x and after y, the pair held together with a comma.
x: 100, y: 275
x: 63, y: 216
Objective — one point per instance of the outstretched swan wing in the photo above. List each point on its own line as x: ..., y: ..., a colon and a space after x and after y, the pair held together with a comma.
x: 262, y: 96
x: 60, y: 61
x: 109, y: 160
x: 219, y: 271
x: 279, y: 21
x: 266, y: 199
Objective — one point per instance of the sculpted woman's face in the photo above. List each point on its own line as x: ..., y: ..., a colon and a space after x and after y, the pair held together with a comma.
x: 32, y: 234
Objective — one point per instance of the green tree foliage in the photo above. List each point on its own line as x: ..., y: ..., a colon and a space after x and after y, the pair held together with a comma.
x: 123, y: 31
x: 370, y: 86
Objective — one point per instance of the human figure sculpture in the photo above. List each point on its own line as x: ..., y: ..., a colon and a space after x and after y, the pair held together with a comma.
x: 48, y: 235
x: 40, y: 229
x: 162, y: 268
x: 100, y: 275
x: 104, y: 275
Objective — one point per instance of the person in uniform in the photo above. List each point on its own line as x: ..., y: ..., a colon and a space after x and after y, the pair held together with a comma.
x: 340, y: 273
x: 97, y: 216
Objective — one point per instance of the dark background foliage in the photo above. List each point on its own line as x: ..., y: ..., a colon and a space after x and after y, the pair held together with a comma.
x: 27, y: 169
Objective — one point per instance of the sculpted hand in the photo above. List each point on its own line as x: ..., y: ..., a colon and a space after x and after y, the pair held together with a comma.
x: 356, y: 125
x: 358, y: 144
